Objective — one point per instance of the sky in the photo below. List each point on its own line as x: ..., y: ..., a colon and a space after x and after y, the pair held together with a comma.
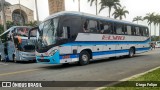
x: 135, y: 8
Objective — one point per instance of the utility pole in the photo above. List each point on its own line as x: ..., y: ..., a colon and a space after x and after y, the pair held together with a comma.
x: 37, y: 15
x: 3, y: 15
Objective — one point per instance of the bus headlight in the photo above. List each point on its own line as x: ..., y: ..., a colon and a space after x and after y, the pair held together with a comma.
x: 52, y: 52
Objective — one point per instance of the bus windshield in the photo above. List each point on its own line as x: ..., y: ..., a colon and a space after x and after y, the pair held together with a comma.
x: 47, y: 34
x: 23, y: 31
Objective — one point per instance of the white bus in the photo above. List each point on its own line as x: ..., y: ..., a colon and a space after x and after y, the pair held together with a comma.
x: 157, y: 44
x: 68, y: 37
x: 12, y: 50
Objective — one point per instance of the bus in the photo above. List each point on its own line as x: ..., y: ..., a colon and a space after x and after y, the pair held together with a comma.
x: 67, y: 37
x: 15, y: 45
x: 157, y: 44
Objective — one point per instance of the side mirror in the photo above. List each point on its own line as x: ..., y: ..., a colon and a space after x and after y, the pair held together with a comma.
x: 29, y: 34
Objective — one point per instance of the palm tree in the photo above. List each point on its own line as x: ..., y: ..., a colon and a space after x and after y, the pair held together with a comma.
x: 120, y: 12
x: 158, y: 21
x: 137, y: 18
x: 155, y: 22
x: 149, y: 18
x: 79, y: 5
x: 96, y: 3
x: 109, y: 4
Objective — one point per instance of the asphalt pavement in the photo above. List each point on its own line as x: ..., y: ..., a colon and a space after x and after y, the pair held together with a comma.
x: 102, y: 70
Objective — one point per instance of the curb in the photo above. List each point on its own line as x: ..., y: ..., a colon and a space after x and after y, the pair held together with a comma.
x: 126, y: 79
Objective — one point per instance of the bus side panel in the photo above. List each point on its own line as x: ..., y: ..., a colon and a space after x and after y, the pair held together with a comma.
x: 2, y: 51
x: 103, y: 51
x: 11, y: 50
x: 65, y: 54
x: 122, y: 49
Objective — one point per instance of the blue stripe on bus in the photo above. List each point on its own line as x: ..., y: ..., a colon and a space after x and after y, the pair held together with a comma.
x: 105, y: 52
x: 91, y: 43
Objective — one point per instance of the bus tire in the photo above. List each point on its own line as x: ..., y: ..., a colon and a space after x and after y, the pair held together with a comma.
x: 131, y: 52
x: 84, y: 58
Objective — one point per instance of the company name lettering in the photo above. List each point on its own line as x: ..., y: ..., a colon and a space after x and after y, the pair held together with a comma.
x: 113, y: 37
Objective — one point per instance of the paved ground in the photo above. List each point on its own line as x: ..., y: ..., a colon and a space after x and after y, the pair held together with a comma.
x: 104, y: 70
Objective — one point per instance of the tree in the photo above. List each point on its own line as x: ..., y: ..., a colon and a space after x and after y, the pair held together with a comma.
x: 96, y: 3
x: 137, y: 18
x: 155, y: 22
x: 120, y: 12
x: 109, y: 4
x: 158, y: 21
x: 79, y: 5
x: 6, y: 4
x: 149, y: 18
x: 9, y: 24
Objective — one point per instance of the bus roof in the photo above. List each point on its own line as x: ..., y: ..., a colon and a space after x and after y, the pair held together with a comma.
x: 90, y: 16
x: 11, y: 29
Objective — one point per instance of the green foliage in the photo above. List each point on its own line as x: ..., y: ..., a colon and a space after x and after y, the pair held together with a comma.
x: 137, y: 18
x: 155, y: 38
x: 149, y: 77
x: 9, y: 24
x: 109, y: 4
x: 120, y: 12
x: 1, y: 29
x: 33, y: 24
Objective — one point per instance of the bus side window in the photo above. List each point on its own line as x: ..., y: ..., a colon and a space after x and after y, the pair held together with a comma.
x: 66, y: 33
x: 129, y: 30
x: 141, y: 31
x: 119, y: 28
x: 92, y: 26
x: 133, y: 31
x: 137, y: 31
x: 105, y: 27
x: 145, y: 32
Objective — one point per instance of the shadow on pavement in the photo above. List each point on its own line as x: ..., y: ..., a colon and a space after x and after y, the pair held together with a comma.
x: 65, y: 66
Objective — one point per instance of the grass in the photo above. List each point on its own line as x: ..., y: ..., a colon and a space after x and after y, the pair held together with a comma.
x: 151, y: 77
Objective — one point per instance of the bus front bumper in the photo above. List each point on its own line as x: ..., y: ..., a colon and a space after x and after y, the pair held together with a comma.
x: 54, y: 59
x: 27, y: 56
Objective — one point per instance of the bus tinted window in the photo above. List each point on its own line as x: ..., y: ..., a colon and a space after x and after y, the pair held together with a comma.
x: 90, y: 26
x: 137, y: 30
x: 146, y: 32
x: 72, y: 24
x: 119, y: 28
x: 129, y: 30
x: 106, y: 27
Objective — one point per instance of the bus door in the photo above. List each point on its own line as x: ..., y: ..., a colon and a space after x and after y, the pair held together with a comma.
x: 65, y: 50
x: 11, y: 49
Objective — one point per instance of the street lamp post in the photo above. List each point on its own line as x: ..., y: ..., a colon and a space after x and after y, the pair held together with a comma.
x: 3, y: 15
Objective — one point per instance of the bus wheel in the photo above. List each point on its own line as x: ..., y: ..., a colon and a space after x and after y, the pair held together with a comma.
x: 131, y: 52
x: 14, y: 58
x: 84, y: 58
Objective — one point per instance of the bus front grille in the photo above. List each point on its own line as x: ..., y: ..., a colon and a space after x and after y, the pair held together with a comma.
x: 43, y: 60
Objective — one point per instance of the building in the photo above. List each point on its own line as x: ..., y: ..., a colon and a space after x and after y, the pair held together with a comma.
x: 56, y: 6
x: 18, y: 14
